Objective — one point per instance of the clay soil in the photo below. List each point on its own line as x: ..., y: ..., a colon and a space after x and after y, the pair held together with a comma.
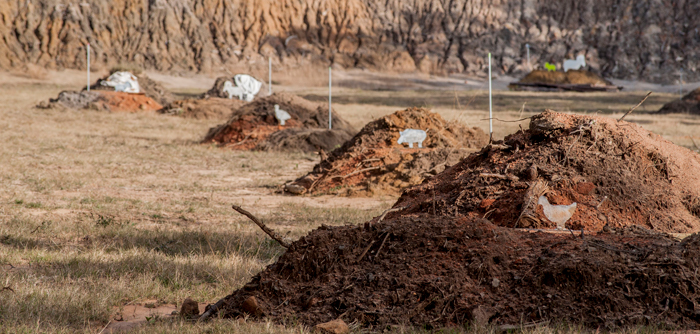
x: 210, y: 108
x: 450, y: 255
x: 103, y: 101
x: 689, y: 104
x: 254, y: 126
x: 148, y: 86
x: 372, y: 162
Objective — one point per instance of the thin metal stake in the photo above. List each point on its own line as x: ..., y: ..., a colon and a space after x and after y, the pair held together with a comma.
x: 88, y: 67
x: 330, y: 124
x: 490, y: 102
x: 528, y: 56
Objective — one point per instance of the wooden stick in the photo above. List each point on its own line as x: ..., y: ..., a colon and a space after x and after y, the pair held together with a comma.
x: 382, y: 245
x: 387, y: 212
x: 635, y: 107
x: 365, y: 252
x: 265, y: 229
x: 212, y: 310
x: 499, y: 176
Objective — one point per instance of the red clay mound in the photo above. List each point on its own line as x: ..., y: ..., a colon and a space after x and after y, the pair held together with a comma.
x: 618, y: 174
x: 689, y: 104
x: 448, y: 255
x: 211, y: 108
x: 373, y: 163
x: 103, y: 101
x: 436, y: 271
x: 574, y: 80
x: 148, y: 87
x: 250, y: 126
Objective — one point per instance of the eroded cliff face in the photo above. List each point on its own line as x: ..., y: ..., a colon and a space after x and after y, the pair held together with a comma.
x: 627, y: 39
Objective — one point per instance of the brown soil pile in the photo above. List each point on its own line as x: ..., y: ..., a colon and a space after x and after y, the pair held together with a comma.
x: 148, y: 87
x: 102, y: 101
x: 211, y: 108
x: 254, y: 126
x: 689, y: 104
x: 449, y: 256
x: 217, y: 89
x: 373, y: 163
x: 571, y: 77
x: 617, y: 172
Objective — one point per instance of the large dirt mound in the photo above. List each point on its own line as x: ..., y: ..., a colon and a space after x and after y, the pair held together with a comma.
x: 373, y: 162
x: 148, y: 86
x: 102, y: 101
x: 434, y: 271
x: 252, y: 126
x: 689, y: 104
x: 211, y: 108
x: 440, y: 36
x: 617, y: 172
x: 575, y: 80
x: 448, y: 253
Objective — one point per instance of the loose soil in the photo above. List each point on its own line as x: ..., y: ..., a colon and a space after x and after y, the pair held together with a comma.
x: 449, y: 254
x: 572, y: 80
x: 254, y: 126
x: 689, y: 104
x: 102, y: 101
x: 210, y: 108
x: 372, y: 162
x: 217, y: 89
x: 148, y: 87
x: 619, y: 174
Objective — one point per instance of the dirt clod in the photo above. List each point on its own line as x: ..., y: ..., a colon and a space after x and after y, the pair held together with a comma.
x: 250, y: 306
x: 254, y: 126
x: 189, y: 309
x: 337, y: 326
x: 373, y: 162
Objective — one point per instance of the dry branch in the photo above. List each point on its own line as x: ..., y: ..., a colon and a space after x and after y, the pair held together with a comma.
x: 265, y: 229
x: 635, y: 107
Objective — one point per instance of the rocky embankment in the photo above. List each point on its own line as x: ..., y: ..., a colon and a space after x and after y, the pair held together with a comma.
x: 626, y: 39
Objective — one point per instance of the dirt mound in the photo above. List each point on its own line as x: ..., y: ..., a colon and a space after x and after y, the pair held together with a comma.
x: 373, y: 163
x: 448, y: 254
x: 574, y: 80
x: 436, y: 271
x: 689, y: 104
x: 251, y: 126
x: 148, y: 87
x: 102, y: 101
x: 617, y: 172
x: 211, y: 108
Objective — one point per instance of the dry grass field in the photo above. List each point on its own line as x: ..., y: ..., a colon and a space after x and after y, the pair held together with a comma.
x: 100, y: 212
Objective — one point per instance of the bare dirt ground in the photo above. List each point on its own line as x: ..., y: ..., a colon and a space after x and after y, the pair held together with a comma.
x: 101, y: 210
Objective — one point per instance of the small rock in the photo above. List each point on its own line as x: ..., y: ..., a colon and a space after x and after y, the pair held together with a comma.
x: 250, y: 305
x: 495, y: 282
x: 485, y: 203
x: 532, y: 173
x: 189, y: 309
x: 336, y: 326
x: 294, y: 189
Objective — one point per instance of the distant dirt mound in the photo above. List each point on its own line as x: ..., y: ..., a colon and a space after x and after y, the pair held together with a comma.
x: 689, y: 104
x: 218, y: 89
x: 102, y: 101
x: 211, y: 108
x: 149, y: 87
x: 373, y: 163
x: 575, y: 80
x: 618, y: 174
x: 250, y: 126
x: 448, y: 253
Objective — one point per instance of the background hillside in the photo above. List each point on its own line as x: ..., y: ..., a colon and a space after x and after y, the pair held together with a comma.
x: 625, y: 39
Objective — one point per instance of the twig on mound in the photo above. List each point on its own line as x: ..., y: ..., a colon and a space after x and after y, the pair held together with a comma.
x: 265, y: 229
x: 387, y: 211
x: 499, y: 176
x: 240, y: 142
x: 635, y: 107
x: 358, y: 172
x: 382, y: 245
x: 365, y: 251
x: 105, y: 327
